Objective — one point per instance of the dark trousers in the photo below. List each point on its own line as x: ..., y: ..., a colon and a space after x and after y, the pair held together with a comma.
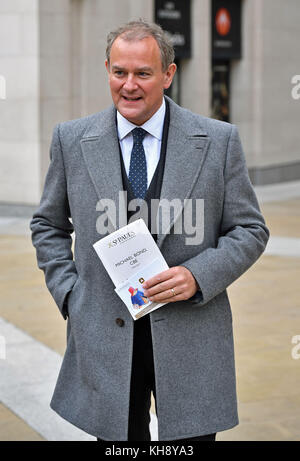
x: 142, y: 383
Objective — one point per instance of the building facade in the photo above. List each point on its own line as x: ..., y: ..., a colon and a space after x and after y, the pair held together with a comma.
x: 52, y: 56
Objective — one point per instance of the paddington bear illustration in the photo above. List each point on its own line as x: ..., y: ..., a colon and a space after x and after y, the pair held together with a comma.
x: 138, y: 298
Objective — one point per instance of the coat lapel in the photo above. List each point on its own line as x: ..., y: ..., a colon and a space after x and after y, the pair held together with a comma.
x: 100, y: 148
x: 186, y: 151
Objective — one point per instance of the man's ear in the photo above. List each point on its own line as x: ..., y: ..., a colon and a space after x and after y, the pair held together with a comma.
x: 169, y: 74
x: 107, y: 65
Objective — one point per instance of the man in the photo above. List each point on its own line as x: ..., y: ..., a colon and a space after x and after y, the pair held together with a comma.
x: 183, y: 351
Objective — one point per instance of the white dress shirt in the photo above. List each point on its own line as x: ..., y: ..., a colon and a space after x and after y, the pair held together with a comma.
x: 152, y: 141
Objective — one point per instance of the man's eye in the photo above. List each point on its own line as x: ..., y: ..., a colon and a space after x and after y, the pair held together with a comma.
x: 118, y: 73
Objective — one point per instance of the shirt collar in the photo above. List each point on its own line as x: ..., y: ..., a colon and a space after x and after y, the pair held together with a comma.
x: 153, y: 126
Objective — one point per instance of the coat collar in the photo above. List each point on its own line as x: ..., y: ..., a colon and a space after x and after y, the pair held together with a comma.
x: 186, y: 150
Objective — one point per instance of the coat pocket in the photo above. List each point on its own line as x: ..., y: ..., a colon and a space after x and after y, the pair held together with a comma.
x: 73, y: 297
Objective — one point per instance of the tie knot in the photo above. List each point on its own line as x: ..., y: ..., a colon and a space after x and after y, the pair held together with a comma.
x: 138, y: 134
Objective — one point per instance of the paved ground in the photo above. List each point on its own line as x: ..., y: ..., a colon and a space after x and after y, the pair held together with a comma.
x: 266, y: 311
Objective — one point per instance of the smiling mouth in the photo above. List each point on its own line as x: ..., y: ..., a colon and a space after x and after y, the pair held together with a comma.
x: 132, y: 99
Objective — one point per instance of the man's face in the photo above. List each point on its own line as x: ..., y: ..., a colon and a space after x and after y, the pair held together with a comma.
x: 136, y: 78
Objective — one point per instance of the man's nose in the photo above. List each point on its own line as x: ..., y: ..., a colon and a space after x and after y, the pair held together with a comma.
x: 130, y: 83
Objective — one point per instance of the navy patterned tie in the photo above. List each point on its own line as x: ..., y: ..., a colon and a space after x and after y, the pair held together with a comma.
x: 138, y: 166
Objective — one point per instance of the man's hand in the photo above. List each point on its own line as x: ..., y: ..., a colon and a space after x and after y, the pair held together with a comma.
x: 174, y: 284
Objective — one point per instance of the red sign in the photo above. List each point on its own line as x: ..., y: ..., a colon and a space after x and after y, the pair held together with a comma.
x: 223, y: 21
x: 226, y: 29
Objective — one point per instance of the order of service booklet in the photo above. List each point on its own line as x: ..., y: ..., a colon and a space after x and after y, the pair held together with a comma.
x: 130, y: 257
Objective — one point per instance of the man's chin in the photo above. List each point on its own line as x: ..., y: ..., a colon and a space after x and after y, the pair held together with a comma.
x: 133, y: 115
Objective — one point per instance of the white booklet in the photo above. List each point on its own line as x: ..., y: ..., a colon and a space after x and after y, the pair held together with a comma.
x: 131, y: 256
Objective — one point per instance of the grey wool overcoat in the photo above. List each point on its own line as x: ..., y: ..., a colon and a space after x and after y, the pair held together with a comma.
x: 192, y: 340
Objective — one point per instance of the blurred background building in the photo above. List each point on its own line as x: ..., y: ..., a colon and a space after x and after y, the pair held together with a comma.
x: 236, y: 61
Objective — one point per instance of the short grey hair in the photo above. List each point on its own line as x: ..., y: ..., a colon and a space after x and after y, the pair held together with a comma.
x: 140, y: 29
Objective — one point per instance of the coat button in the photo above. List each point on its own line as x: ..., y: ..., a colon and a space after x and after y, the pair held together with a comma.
x: 120, y: 322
